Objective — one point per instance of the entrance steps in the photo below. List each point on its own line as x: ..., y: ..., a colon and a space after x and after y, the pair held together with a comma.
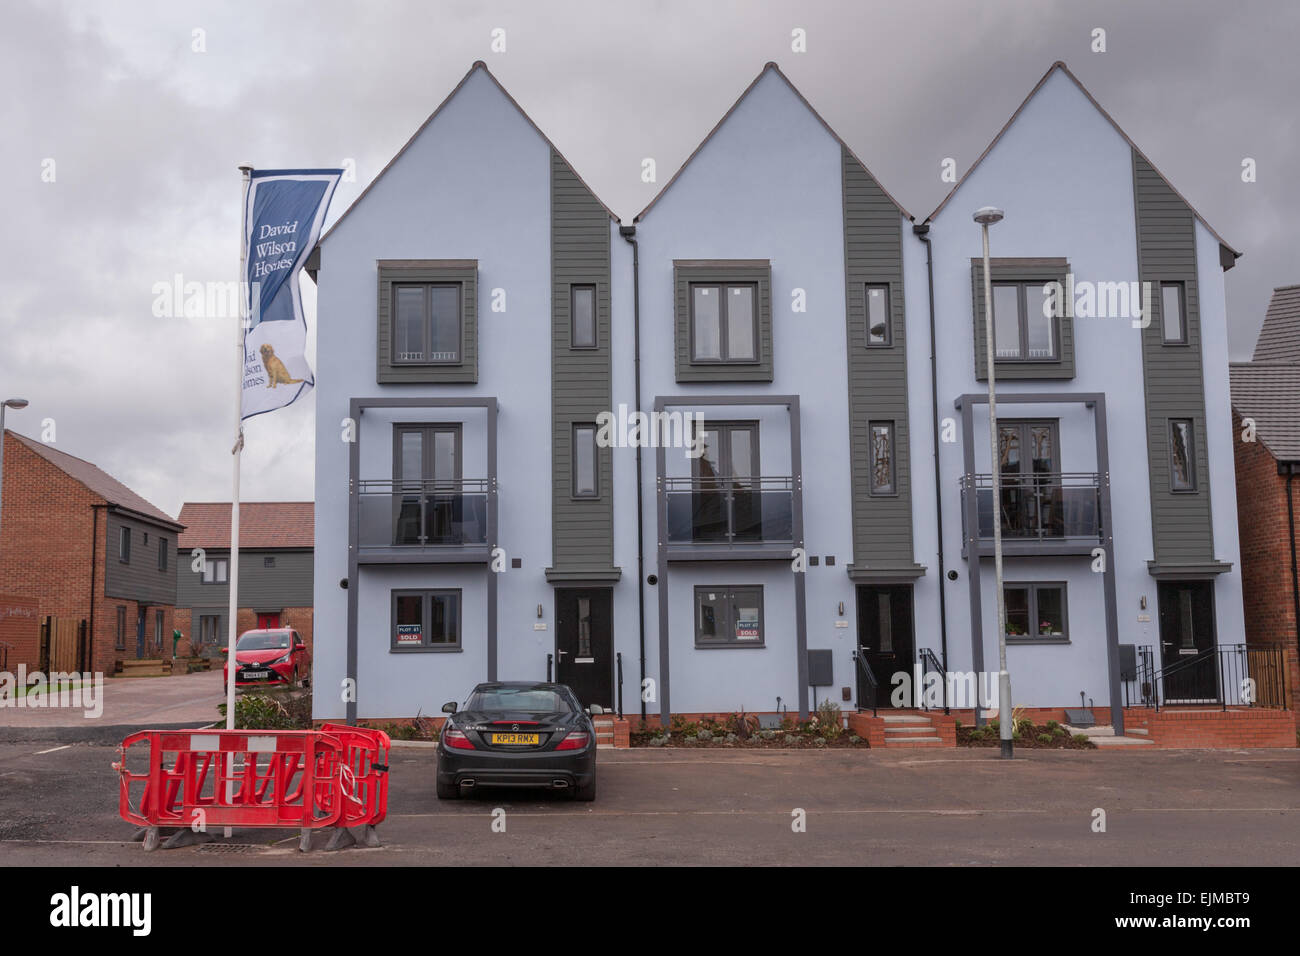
x: 905, y: 729
x: 611, y: 732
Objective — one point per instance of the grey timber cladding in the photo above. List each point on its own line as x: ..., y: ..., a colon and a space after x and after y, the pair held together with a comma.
x: 140, y: 579
x: 582, y: 528
x: 288, y: 584
x: 1166, y: 230
x: 873, y: 254
x: 687, y: 271
x: 1025, y: 270
x: 464, y: 271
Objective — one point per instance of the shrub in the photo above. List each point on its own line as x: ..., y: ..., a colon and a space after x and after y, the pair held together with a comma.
x: 829, y: 720
x: 286, y: 709
x: 1080, y: 739
x: 1045, y: 738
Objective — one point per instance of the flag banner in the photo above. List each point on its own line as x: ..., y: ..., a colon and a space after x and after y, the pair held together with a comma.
x: 283, y: 214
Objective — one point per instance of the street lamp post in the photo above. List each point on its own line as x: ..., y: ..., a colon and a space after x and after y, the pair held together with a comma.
x: 987, y: 216
x: 7, y: 403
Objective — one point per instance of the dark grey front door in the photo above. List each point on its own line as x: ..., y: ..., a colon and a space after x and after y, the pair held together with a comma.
x: 1187, y: 655
x: 885, y: 633
x: 584, y: 643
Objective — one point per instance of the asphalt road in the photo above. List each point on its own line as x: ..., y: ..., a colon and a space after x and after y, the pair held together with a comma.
x: 1163, y: 808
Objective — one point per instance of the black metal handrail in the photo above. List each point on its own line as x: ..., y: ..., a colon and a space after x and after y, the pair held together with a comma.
x: 550, y: 659
x: 1230, y: 675
x: 1045, y: 505
x: 929, y: 662
x: 618, y: 661
x: 1139, y: 687
x: 868, y: 689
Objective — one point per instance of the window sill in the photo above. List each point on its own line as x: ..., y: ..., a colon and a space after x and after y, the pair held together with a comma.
x: 730, y: 646
x: 425, y: 650
x: 1036, y: 640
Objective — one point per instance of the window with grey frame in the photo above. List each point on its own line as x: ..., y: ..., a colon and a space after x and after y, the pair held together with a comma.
x: 727, y: 489
x: 162, y: 554
x: 124, y: 545
x: 1182, y: 455
x: 1036, y: 611
x: 724, y: 323
x: 427, y: 323
x: 430, y: 503
x: 729, y: 616
x: 1173, y: 313
x: 884, y: 470
x: 582, y: 317
x: 159, y: 620
x: 215, y: 570
x: 1033, y: 504
x: 880, y: 327
x: 426, y: 620
x: 585, y: 467
x: 119, y: 637
x: 1025, y: 328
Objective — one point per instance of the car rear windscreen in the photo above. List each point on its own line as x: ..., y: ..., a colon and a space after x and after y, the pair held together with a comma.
x: 518, y: 698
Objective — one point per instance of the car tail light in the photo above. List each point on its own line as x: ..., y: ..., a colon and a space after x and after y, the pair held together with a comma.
x: 456, y: 740
x: 575, y: 741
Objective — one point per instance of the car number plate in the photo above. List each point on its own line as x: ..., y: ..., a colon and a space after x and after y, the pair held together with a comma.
x: 254, y: 675
x: 515, y: 738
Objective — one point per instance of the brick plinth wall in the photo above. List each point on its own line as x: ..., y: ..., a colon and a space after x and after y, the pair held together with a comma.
x: 1233, y: 729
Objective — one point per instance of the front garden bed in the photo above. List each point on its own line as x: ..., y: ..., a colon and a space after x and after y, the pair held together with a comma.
x: 1027, y: 734
x: 822, y: 730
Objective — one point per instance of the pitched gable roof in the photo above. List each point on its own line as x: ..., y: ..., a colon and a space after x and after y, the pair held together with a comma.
x: 478, y: 65
x: 1269, y: 392
x: 773, y: 68
x: 97, y: 480
x: 1279, y: 338
x: 1060, y: 65
x: 262, y: 524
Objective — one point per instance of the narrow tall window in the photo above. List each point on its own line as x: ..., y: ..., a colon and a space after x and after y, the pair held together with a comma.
x: 585, y: 484
x: 582, y: 316
x: 1182, y: 454
x: 124, y: 545
x: 119, y: 638
x: 883, y: 472
x: 1024, y: 330
x: 1173, y: 313
x: 878, y: 323
x: 162, y: 554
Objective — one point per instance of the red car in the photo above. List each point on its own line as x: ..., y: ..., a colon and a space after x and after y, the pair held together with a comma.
x: 273, y: 655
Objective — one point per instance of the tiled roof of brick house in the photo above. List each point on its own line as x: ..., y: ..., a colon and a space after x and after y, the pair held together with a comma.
x: 262, y: 524
x: 1269, y: 392
x: 1279, y: 339
x: 96, y: 479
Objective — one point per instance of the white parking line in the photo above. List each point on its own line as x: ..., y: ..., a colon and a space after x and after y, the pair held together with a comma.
x: 52, y: 750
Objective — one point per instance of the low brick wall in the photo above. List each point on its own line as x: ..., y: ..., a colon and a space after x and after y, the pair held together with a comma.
x: 1232, y: 729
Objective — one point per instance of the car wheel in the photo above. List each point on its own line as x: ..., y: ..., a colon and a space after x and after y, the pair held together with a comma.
x: 586, y: 793
x: 447, y: 791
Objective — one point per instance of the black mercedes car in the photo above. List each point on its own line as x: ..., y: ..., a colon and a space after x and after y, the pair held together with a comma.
x: 517, y: 734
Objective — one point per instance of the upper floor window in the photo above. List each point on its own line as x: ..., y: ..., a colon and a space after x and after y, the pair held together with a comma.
x: 162, y: 554
x: 124, y: 545
x: 724, y: 323
x: 215, y: 570
x: 427, y: 323
x: 883, y: 469
x: 586, y: 483
x: 582, y: 317
x: 879, y: 326
x: 1173, y: 313
x: 1024, y: 329
x: 1182, y: 454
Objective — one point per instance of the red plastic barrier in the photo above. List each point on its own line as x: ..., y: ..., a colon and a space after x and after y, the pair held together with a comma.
x: 363, y: 777
x: 235, y: 778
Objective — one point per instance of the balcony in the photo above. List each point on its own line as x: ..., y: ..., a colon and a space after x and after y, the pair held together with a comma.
x: 423, y: 521
x: 719, y: 518
x: 1048, y: 513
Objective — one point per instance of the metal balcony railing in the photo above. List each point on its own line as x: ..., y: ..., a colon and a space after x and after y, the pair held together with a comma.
x: 730, y: 511
x: 1045, y: 506
x: 422, y: 514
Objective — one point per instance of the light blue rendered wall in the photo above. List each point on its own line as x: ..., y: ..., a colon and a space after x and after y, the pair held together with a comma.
x: 1064, y: 177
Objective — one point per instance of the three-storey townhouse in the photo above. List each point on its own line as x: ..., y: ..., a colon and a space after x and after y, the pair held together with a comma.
x: 774, y: 312
x: 1117, y: 501
x: 465, y: 520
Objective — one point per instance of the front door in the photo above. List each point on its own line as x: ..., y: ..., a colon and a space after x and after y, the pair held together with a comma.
x: 268, y: 620
x: 1187, y: 655
x: 584, y: 643
x: 885, y: 634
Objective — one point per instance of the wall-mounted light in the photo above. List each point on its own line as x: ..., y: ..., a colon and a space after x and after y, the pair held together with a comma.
x: 539, y: 610
x: 841, y: 611
x: 1142, y: 602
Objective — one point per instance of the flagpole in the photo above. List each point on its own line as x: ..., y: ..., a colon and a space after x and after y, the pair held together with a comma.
x: 235, y: 453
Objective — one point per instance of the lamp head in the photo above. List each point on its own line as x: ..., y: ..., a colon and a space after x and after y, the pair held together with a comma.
x: 15, y: 403
x: 988, y: 215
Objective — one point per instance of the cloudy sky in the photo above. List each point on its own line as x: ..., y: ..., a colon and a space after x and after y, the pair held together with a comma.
x: 145, y: 132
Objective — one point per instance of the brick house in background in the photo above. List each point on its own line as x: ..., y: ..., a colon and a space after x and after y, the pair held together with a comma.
x: 86, y: 548
x: 275, y: 571
x: 1267, y: 391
